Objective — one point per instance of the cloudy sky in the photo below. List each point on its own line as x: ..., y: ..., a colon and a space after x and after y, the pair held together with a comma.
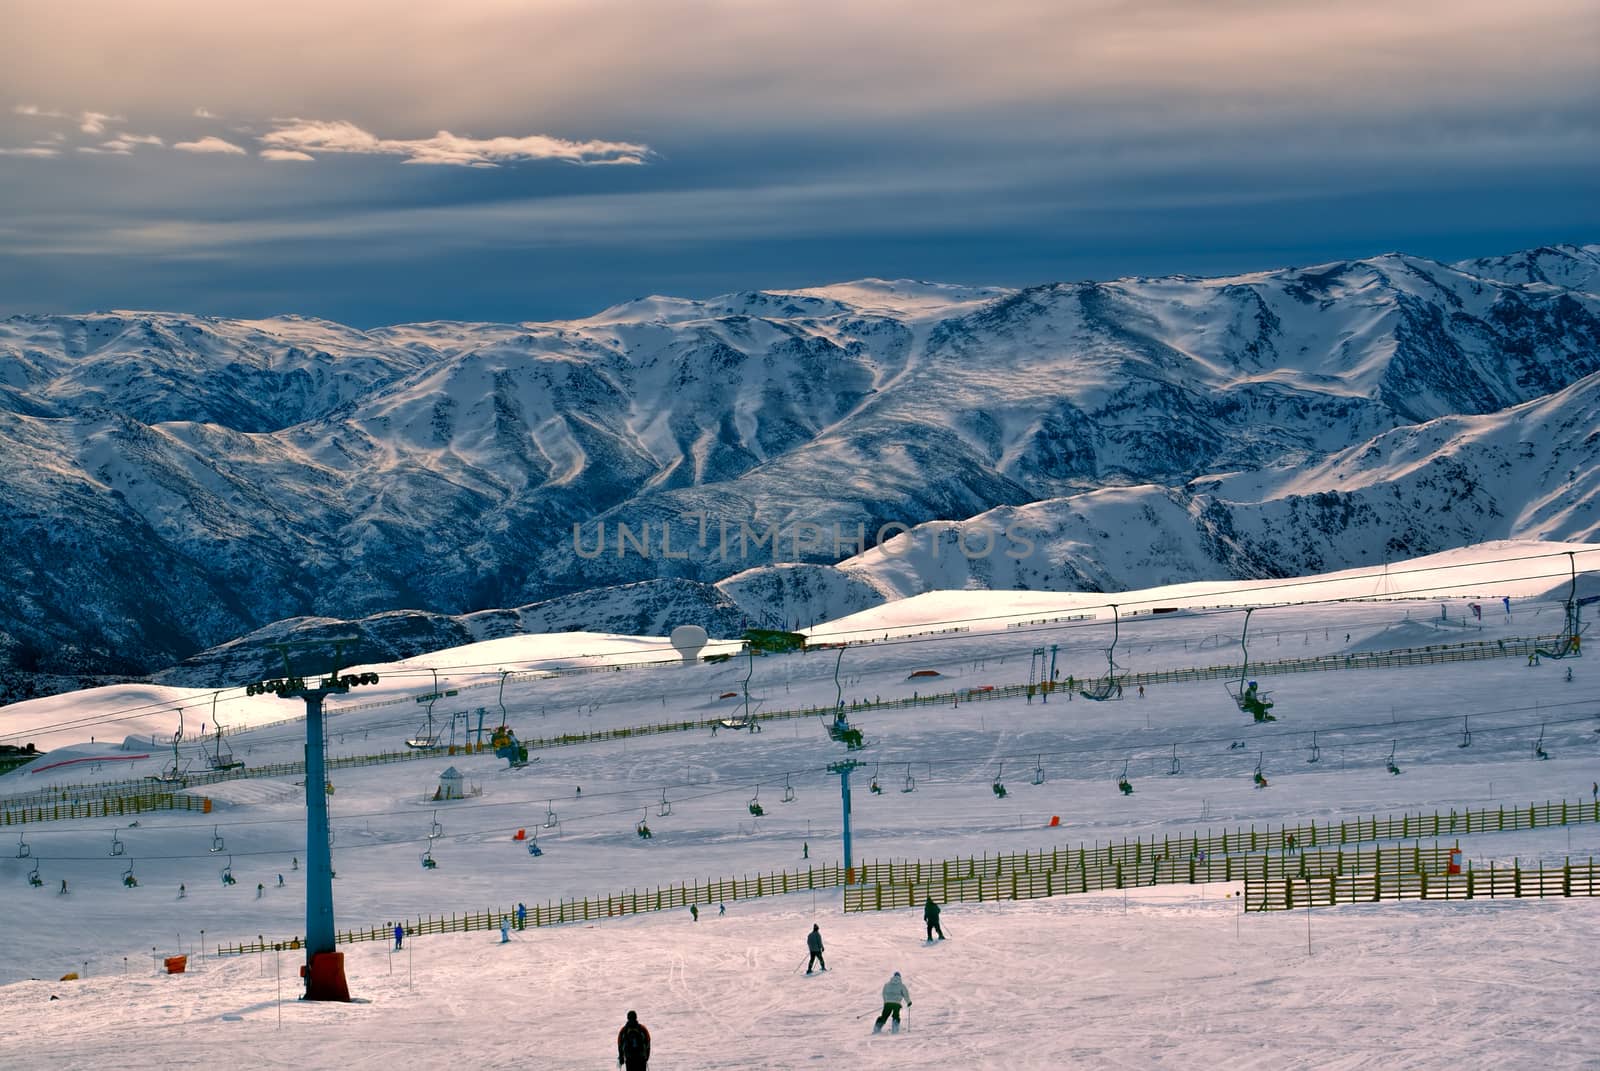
x: 489, y: 159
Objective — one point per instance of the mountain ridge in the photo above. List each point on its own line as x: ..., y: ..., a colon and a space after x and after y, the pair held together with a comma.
x: 180, y: 481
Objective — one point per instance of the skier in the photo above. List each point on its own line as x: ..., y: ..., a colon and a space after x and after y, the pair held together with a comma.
x: 805, y: 850
x: 505, y: 928
x: 895, y: 994
x: 182, y: 892
x: 814, y: 945
x: 399, y: 936
x: 930, y: 915
x: 259, y: 890
x: 695, y: 912
x: 280, y: 881
x: 522, y: 916
x: 63, y: 886
x: 633, y: 1044
x: 722, y: 909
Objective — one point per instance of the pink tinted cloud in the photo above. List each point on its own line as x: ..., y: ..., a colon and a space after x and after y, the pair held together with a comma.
x: 339, y: 136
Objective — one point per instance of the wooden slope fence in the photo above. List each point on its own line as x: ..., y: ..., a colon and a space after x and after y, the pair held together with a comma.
x: 1286, y: 894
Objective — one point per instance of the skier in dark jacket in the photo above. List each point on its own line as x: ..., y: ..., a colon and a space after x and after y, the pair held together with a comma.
x: 814, y: 943
x: 633, y: 1044
x: 930, y: 915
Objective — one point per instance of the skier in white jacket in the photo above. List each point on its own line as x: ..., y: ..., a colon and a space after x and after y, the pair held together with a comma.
x: 895, y: 994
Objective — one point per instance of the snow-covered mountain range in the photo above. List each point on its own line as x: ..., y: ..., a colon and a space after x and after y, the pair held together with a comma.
x: 173, y: 482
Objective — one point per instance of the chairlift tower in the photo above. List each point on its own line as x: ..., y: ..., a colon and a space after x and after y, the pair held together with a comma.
x: 843, y: 770
x: 324, y: 968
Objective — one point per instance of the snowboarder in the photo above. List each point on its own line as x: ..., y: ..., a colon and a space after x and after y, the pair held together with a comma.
x: 814, y: 945
x: 694, y: 912
x: 399, y: 936
x: 280, y: 881
x: 633, y: 1044
x: 895, y: 994
x: 930, y: 915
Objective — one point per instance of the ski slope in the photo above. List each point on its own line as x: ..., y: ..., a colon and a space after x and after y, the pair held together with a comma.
x: 1167, y: 977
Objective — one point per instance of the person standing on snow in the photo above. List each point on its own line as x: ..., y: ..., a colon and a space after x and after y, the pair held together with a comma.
x: 895, y: 994
x: 399, y: 936
x: 814, y: 944
x: 633, y: 1044
x: 930, y: 915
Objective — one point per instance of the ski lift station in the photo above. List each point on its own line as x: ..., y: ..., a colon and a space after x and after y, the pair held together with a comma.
x: 451, y: 785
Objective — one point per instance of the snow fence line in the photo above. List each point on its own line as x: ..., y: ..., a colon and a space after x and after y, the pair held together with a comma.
x: 1286, y: 894
x: 1021, y: 875
x: 106, y: 805
x: 1471, y: 651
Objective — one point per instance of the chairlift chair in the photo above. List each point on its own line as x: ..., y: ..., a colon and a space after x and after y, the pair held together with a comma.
x: 427, y: 736
x: 428, y: 861
x: 1538, y: 746
x: 1466, y: 734
x: 999, y: 786
x: 1107, y: 687
x: 550, y: 815
x: 1568, y: 644
x: 1176, y: 766
x: 219, y: 757
x: 1390, y: 763
x: 1259, y: 777
x: 1038, y: 770
x: 788, y: 790
x: 911, y: 782
x: 643, y: 828
x: 33, y: 876
x: 875, y: 788
x: 1123, y: 784
x: 754, y: 806
x: 227, y: 873
x: 23, y: 849
x: 217, y: 843
x: 128, y: 879
x: 435, y: 830
x: 117, y: 847
x: 533, y: 846
x: 666, y: 806
x: 1316, y: 751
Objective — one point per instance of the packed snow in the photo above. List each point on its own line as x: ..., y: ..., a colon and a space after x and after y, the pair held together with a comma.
x: 1170, y: 977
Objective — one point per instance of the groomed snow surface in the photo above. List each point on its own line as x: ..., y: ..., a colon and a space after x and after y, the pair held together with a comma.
x: 1168, y: 977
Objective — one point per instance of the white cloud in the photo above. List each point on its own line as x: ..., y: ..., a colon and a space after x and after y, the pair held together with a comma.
x: 202, y: 113
x: 38, y: 112
x: 95, y: 122
x: 124, y: 144
x: 284, y: 154
x: 31, y: 151
x: 209, y: 144
x: 339, y: 136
